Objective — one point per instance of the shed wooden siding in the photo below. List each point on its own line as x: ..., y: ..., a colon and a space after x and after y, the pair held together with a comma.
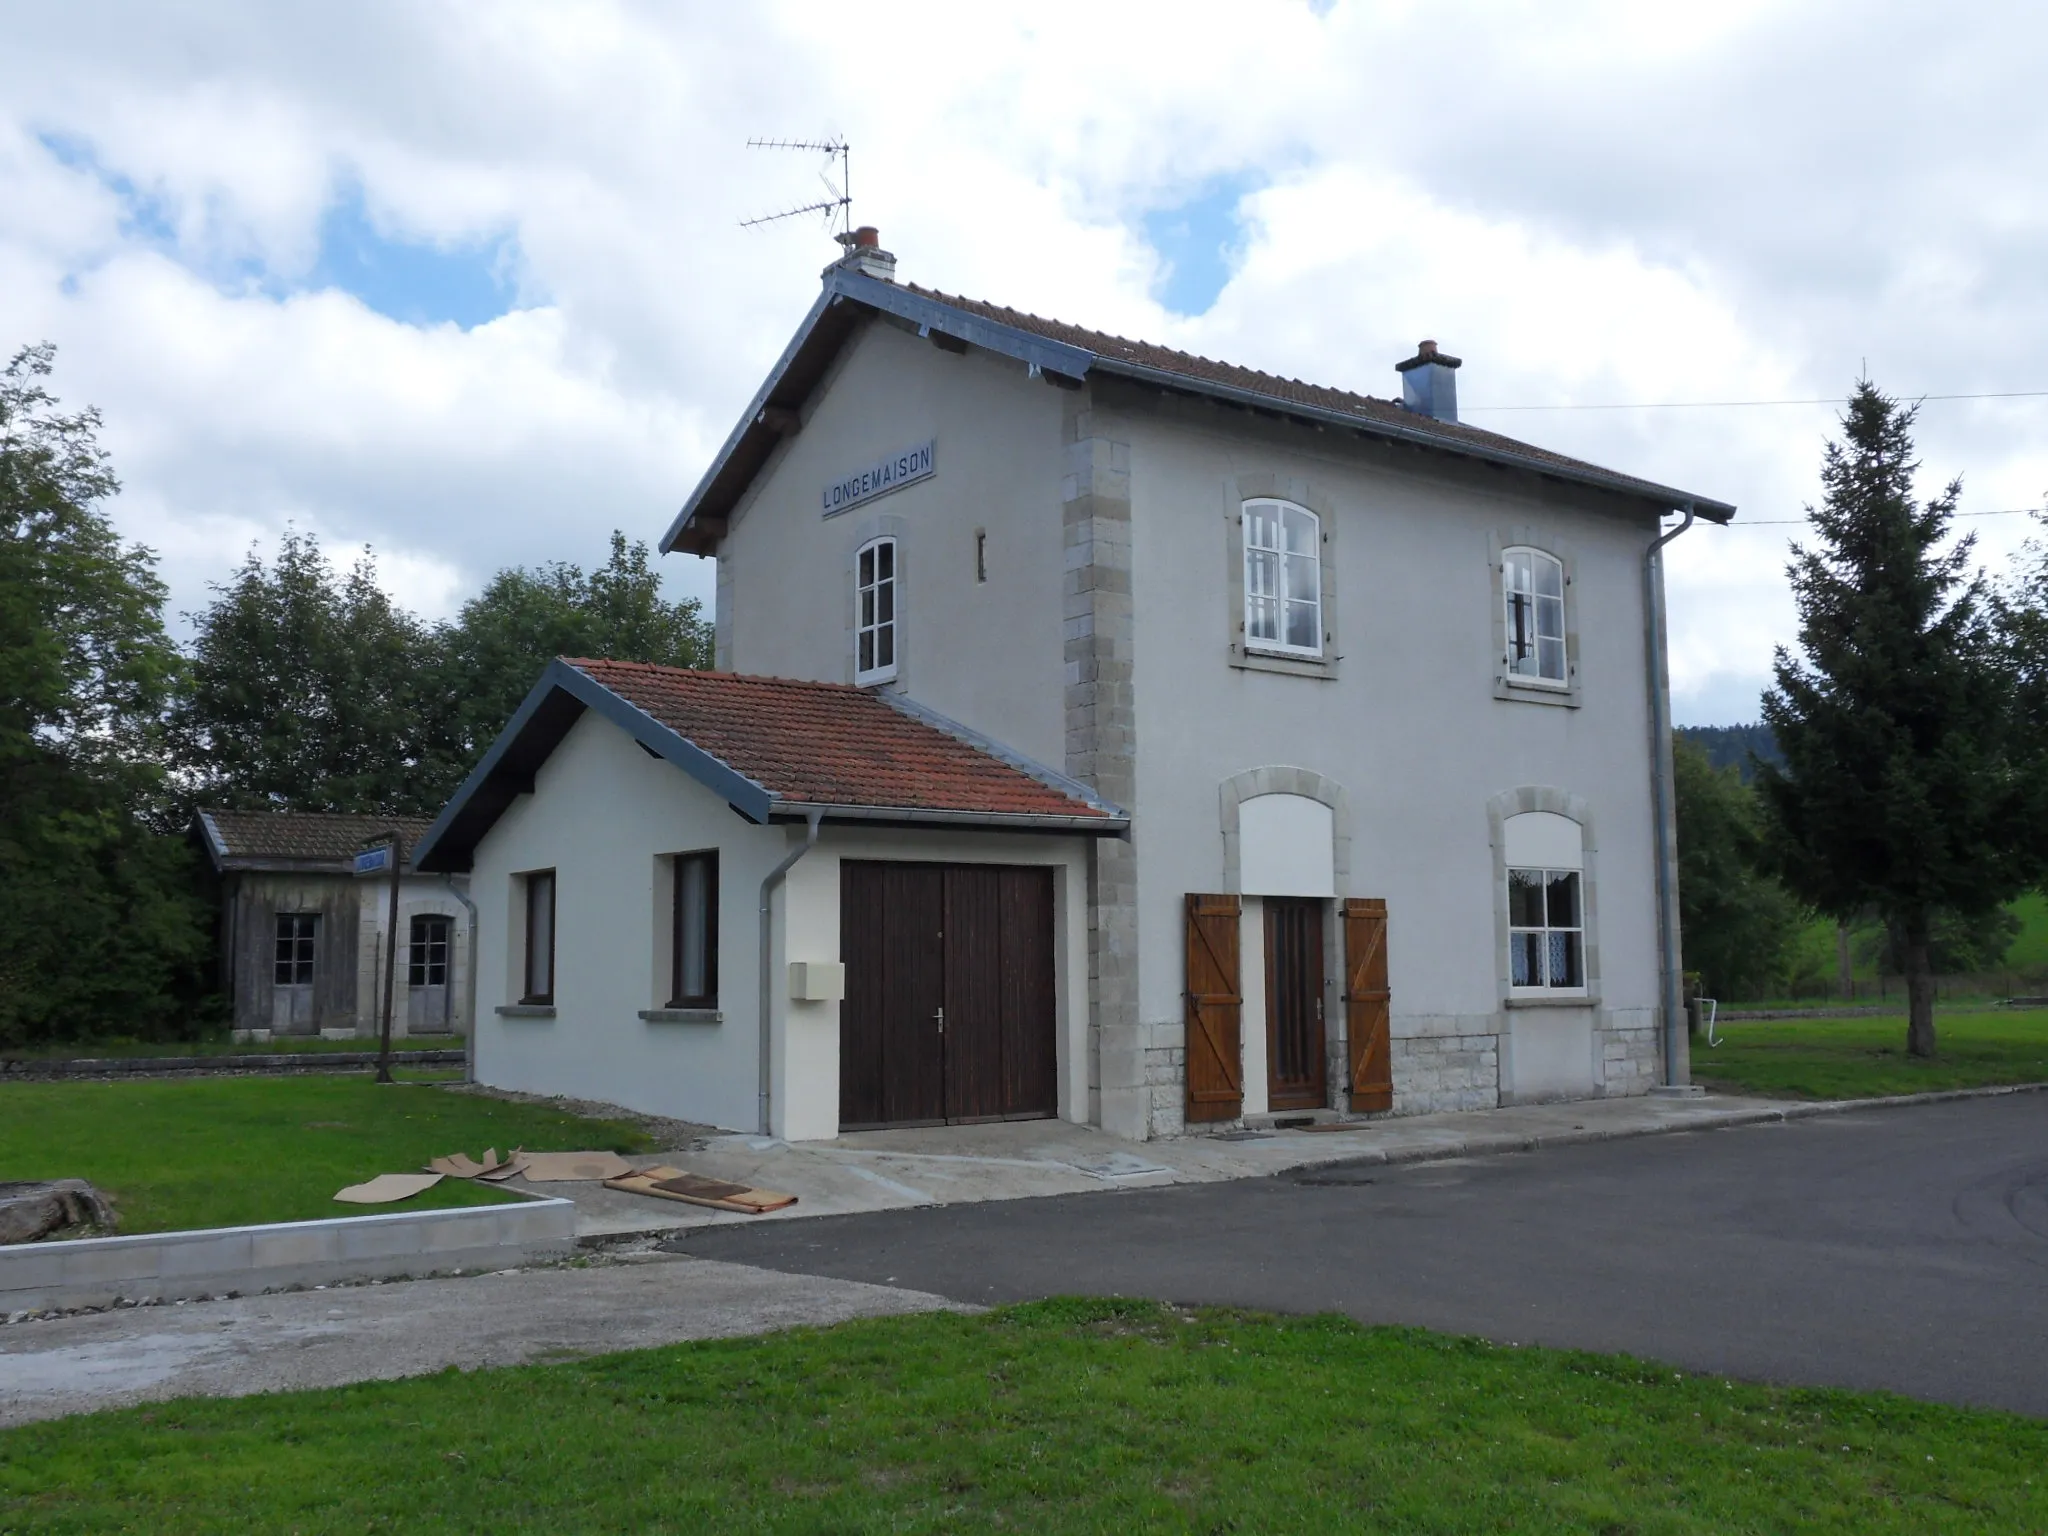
x: 254, y: 901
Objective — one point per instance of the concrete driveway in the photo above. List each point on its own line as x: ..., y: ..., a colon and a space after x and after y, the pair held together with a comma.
x: 329, y: 1337
x: 1903, y: 1248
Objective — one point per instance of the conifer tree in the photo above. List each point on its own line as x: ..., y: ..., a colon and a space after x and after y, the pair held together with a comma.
x: 1903, y: 785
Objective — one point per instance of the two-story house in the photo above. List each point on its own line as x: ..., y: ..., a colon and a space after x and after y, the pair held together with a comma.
x: 1113, y: 733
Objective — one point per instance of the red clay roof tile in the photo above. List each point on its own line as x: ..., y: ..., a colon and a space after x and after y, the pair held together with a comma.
x: 829, y: 743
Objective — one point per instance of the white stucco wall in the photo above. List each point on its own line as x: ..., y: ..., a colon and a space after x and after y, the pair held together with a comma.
x: 601, y: 816
x: 418, y: 896
x: 989, y: 654
x: 1408, y: 725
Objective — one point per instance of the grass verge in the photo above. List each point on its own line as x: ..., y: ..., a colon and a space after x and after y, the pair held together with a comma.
x: 219, y: 1152
x: 1058, y: 1416
x: 1860, y: 1058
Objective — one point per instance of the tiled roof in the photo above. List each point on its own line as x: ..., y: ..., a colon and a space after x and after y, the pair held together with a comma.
x: 1203, y: 370
x: 831, y: 744
x: 311, y: 837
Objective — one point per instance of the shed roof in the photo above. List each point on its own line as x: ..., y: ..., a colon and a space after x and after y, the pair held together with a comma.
x: 323, y: 840
x: 1072, y: 353
x: 776, y: 749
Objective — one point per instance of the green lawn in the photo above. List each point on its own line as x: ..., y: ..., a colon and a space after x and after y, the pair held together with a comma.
x: 1861, y: 1058
x: 218, y: 1152
x: 1060, y: 1416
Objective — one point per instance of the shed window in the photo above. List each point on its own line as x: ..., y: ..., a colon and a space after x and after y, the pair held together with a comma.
x: 1283, y: 578
x: 540, y: 937
x: 426, y: 962
x: 1532, y: 595
x: 875, y: 612
x: 1546, y: 928
x: 296, y: 932
x: 695, y: 964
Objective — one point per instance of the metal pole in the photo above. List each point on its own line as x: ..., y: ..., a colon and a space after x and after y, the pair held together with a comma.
x: 390, y: 958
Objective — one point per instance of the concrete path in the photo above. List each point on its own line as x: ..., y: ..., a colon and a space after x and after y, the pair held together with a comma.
x: 867, y: 1171
x: 1904, y: 1248
x: 66, y: 1365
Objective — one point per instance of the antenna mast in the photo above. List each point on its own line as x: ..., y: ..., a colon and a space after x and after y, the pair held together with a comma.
x: 838, y: 204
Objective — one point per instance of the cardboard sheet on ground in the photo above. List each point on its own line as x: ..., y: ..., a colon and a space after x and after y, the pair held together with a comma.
x: 695, y: 1189
x: 460, y: 1165
x: 387, y: 1187
x: 561, y: 1167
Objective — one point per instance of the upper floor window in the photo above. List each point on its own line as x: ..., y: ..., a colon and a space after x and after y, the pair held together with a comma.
x: 1532, y: 595
x: 875, y: 612
x: 1283, y: 578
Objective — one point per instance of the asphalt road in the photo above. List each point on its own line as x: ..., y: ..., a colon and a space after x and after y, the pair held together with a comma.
x: 1897, y: 1248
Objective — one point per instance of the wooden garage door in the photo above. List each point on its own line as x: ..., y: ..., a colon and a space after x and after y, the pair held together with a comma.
x: 949, y: 1013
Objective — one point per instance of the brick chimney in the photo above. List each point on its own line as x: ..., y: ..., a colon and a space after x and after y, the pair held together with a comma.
x: 1429, y: 382
x: 864, y: 254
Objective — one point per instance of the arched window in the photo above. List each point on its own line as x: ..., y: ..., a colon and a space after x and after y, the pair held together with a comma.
x: 874, y: 597
x: 1283, y: 578
x: 1545, y: 858
x: 1532, y: 597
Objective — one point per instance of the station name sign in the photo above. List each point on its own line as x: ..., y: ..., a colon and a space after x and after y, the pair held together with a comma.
x: 877, y: 479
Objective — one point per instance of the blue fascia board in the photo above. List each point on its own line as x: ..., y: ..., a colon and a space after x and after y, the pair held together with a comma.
x: 487, y: 764
x: 743, y: 794
x: 750, y: 798
x: 1644, y: 490
x: 749, y: 422
x: 930, y: 314
x: 842, y: 285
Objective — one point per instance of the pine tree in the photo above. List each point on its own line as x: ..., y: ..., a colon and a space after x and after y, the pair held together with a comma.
x: 1902, y: 788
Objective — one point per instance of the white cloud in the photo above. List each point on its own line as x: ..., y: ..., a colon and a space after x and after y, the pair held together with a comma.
x: 1596, y: 203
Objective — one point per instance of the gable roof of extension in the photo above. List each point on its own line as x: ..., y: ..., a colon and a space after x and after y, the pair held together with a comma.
x: 1070, y: 353
x: 308, y: 840
x: 776, y: 750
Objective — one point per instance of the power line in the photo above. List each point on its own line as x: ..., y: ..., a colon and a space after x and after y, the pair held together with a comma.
x: 1716, y: 405
x: 1788, y: 522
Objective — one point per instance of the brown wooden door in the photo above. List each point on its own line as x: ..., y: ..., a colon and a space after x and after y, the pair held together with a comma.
x: 1367, y: 1004
x: 1215, y: 1046
x: 892, y: 936
x: 1296, y: 1074
x: 949, y: 1012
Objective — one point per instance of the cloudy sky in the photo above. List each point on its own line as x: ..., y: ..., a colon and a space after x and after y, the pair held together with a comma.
x: 465, y: 281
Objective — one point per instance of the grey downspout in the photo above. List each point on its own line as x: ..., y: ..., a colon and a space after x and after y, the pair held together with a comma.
x: 1664, y: 795
x: 469, y: 1034
x: 768, y: 886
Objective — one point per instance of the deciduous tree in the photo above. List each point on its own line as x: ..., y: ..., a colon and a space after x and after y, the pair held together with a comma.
x: 100, y: 923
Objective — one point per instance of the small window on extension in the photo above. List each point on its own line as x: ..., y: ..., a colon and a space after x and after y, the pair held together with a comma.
x: 694, y: 970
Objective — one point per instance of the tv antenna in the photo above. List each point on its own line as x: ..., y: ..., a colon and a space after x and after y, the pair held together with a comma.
x: 837, y: 176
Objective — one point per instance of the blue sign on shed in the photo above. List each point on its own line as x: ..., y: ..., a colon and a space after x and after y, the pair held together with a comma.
x: 370, y: 860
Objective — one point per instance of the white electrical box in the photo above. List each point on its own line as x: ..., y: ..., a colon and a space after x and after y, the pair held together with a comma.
x: 817, y: 981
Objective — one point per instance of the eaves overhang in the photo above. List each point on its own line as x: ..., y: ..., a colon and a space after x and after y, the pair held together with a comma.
x: 507, y: 770
x: 849, y: 296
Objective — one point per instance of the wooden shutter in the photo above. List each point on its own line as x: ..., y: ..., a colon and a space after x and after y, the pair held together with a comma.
x: 1215, y: 1002
x: 1367, y: 1011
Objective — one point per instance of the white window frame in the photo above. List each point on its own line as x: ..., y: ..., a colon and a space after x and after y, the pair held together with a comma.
x: 869, y: 626
x: 1547, y: 932
x: 1282, y: 559
x: 1538, y: 603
